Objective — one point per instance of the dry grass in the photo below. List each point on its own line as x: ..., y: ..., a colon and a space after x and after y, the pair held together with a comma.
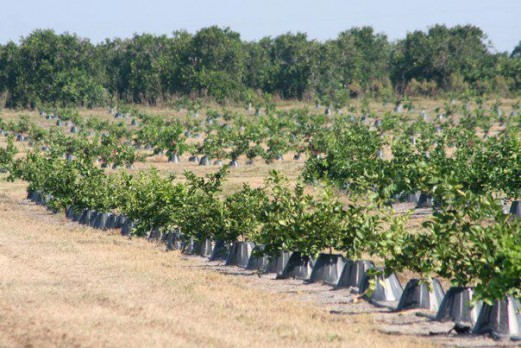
x: 66, y: 285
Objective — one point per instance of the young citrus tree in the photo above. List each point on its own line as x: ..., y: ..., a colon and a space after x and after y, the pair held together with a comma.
x: 151, y: 201
x: 243, y: 213
x: 203, y: 216
x: 476, y: 244
x: 7, y: 154
x: 295, y: 221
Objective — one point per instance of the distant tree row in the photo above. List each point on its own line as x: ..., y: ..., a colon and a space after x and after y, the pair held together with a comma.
x: 50, y: 69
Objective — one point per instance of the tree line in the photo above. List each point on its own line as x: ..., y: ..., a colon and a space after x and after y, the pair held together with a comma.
x: 46, y: 68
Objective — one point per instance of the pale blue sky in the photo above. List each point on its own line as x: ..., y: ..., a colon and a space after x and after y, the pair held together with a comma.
x: 320, y: 19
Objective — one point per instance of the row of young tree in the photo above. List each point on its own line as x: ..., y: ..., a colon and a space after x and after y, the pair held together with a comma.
x: 468, y: 241
x: 345, y: 150
x: 45, y: 68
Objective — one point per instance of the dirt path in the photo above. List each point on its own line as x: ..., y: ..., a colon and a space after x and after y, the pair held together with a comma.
x: 66, y: 285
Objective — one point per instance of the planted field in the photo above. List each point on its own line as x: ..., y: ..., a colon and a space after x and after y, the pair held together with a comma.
x: 66, y: 285
x: 366, y: 210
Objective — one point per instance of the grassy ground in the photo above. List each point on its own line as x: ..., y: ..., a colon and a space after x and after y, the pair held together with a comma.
x: 66, y: 285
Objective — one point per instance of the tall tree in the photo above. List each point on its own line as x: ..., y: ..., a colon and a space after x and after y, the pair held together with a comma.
x: 364, y: 55
x: 293, y: 64
x: 439, y: 54
x: 55, y: 69
x: 217, y: 62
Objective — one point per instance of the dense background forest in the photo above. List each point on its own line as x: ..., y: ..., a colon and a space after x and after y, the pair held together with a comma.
x: 65, y: 70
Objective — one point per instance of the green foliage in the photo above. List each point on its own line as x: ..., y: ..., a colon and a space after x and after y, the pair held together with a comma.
x: 56, y: 70
x: 53, y: 69
x: 468, y: 240
x: 204, y: 214
x: 295, y: 221
x: 412, y: 251
x: 502, y: 275
x: 243, y: 213
x: 172, y: 139
x: 476, y: 244
x: 254, y: 151
x: 7, y: 155
x: 351, y: 157
x: 151, y: 201
x: 438, y: 54
x: 361, y: 231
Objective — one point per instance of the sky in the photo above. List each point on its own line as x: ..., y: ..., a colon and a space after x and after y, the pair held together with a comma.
x: 320, y: 19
